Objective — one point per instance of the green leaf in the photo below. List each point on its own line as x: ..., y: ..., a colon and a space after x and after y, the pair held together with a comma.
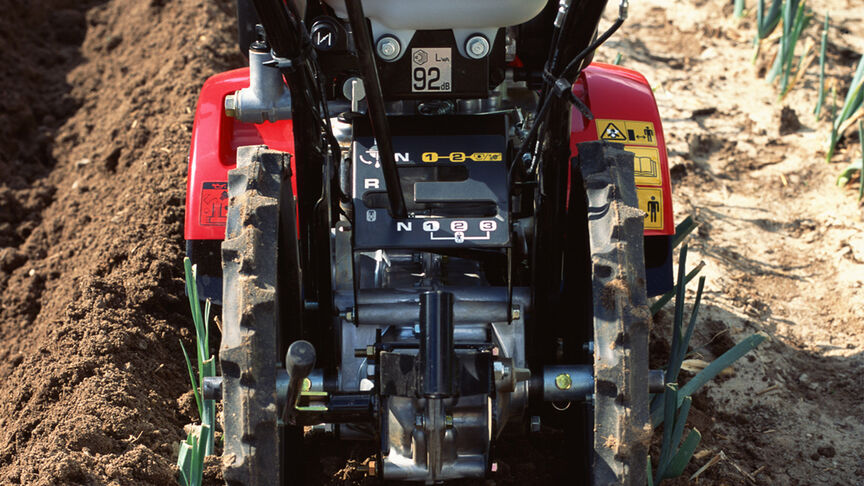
x: 670, y: 400
x: 693, y: 314
x: 192, y: 379
x: 665, y: 298
x: 679, y: 314
x: 861, y: 172
x: 767, y: 23
x: 683, y: 229
x: 822, y: 48
x: 710, y: 371
x: 684, y: 455
x: 648, y: 473
x: 739, y: 9
x: 184, y: 463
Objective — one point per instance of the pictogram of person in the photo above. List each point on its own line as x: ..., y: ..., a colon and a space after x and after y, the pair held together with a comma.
x: 649, y: 133
x: 653, y: 209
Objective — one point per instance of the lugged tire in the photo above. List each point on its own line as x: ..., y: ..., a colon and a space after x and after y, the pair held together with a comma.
x: 621, y: 316
x: 251, y: 344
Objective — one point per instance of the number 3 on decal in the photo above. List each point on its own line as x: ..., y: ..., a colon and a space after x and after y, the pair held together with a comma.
x: 488, y: 225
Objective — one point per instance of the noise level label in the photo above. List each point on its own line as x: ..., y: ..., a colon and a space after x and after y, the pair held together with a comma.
x: 646, y: 165
x: 626, y: 131
x: 651, y: 202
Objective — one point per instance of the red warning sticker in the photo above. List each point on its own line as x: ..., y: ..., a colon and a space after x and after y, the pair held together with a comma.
x: 214, y: 204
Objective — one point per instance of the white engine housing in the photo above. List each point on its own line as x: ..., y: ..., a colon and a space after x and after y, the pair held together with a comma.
x: 401, y: 18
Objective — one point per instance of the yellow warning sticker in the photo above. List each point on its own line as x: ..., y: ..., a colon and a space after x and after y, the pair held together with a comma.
x: 651, y: 201
x: 646, y: 165
x: 626, y: 131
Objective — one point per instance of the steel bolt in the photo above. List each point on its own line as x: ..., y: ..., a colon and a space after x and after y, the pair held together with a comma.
x: 230, y: 106
x: 388, y: 48
x: 563, y: 381
x: 535, y: 424
x: 448, y: 421
x: 515, y: 313
x: 477, y: 47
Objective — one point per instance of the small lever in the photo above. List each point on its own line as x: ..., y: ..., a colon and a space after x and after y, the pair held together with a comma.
x: 299, y: 361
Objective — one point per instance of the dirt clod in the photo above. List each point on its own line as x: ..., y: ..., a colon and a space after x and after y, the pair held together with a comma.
x: 789, y: 122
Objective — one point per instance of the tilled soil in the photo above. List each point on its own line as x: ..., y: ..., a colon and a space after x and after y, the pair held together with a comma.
x: 96, y: 114
x: 96, y: 103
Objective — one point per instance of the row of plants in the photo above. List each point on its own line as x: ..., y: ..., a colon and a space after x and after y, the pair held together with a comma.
x: 787, y: 68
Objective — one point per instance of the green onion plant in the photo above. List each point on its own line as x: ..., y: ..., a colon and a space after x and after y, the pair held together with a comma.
x: 851, y: 105
x: 846, y: 176
x: 739, y: 8
x: 795, y: 19
x: 766, y: 22
x: 818, y: 110
x: 673, y: 406
x: 199, y: 443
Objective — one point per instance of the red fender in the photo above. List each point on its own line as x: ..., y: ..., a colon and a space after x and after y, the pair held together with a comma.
x: 215, y: 138
x: 625, y: 112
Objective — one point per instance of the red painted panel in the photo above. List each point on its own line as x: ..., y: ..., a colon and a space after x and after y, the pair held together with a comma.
x: 215, y: 138
x: 616, y: 93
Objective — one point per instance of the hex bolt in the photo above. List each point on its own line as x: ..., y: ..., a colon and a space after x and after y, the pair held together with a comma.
x: 448, y: 421
x: 515, y: 313
x: 477, y: 47
x: 563, y: 381
x: 535, y: 424
x: 230, y: 106
x: 388, y: 48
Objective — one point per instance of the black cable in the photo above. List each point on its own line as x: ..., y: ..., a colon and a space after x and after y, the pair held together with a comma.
x: 375, y: 107
x: 551, y: 79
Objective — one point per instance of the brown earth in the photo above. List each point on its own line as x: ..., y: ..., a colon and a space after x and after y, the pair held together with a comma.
x: 96, y: 103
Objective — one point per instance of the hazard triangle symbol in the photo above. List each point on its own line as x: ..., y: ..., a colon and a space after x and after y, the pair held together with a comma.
x: 611, y: 132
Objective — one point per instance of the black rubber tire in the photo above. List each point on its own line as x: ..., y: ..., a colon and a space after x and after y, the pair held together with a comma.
x: 621, y: 316
x: 252, y: 332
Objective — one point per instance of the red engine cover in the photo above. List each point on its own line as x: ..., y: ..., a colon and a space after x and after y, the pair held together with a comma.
x: 215, y: 138
x: 621, y: 99
x: 625, y: 112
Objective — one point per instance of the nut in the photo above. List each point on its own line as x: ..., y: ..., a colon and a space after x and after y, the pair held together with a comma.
x: 563, y: 381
